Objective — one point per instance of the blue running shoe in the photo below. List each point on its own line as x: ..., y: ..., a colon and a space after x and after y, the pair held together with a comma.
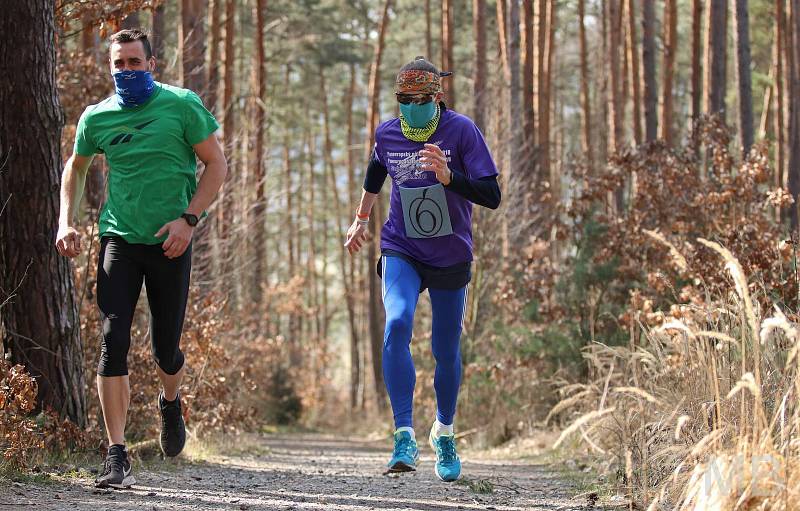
x: 406, y: 453
x: 448, y: 465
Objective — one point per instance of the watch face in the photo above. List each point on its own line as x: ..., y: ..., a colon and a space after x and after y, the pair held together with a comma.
x: 190, y: 219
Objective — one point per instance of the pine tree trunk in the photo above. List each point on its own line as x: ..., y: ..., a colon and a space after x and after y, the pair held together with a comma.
x: 779, y: 118
x: 375, y: 307
x: 515, y: 105
x: 479, y: 78
x: 636, y: 84
x: 543, y: 139
x: 615, y: 42
x: 157, y: 36
x: 259, y: 211
x: 225, y: 215
x: 529, y: 124
x: 448, y: 36
x: 649, y: 64
x: 193, y: 46
x: 40, y: 321
x: 552, y: 175
x: 586, y: 102
x: 428, y: 35
x: 215, y: 29
x: 697, y: 50
x: 502, y: 38
x: 670, y: 51
x: 716, y: 57
x: 355, y: 357
x: 793, y: 59
x: 743, y: 75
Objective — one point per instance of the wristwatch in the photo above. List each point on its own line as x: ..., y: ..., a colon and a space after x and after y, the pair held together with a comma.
x: 190, y: 219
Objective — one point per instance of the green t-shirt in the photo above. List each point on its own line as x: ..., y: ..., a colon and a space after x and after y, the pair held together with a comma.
x: 152, y: 167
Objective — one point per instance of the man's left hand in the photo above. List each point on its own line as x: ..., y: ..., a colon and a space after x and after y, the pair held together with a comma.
x: 433, y: 159
x: 180, y: 235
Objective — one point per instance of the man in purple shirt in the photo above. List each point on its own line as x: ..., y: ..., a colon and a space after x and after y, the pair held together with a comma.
x: 440, y: 165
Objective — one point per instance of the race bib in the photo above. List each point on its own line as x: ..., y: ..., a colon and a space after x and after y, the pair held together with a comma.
x: 425, y: 211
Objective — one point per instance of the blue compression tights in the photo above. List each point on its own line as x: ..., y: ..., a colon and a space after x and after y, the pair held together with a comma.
x: 400, y: 294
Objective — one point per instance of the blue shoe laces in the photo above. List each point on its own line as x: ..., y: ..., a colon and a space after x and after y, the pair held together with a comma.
x: 447, y: 448
x: 403, y: 446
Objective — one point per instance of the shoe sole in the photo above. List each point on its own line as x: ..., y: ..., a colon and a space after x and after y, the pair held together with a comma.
x: 402, y: 467
x: 126, y: 483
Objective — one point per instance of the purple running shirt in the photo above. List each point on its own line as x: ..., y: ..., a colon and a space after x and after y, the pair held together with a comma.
x: 427, y: 240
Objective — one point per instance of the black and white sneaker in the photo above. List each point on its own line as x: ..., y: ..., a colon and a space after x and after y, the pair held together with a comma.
x: 173, y: 429
x: 117, y: 472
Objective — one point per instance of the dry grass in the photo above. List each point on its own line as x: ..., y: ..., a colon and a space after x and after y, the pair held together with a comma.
x: 700, y: 413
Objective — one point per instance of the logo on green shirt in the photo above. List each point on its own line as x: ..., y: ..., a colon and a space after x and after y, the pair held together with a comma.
x: 127, y: 135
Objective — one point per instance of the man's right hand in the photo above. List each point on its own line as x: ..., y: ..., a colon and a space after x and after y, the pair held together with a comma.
x: 356, y: 237
x: 68, y: 241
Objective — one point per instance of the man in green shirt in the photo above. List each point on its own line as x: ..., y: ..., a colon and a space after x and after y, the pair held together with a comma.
x: 150, y: 134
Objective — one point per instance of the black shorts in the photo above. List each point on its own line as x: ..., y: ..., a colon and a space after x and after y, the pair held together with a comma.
x: 122, y: 267
x: 448, y: 277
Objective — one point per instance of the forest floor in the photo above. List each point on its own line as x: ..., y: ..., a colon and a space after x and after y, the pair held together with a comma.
x: 304, y: 471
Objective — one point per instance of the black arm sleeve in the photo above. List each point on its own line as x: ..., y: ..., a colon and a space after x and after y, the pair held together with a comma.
x: 376, y: 175
x: 483, y: 192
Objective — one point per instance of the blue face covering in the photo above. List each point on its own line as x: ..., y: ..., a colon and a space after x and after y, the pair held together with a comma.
x: 133, y: 87
x: 418, y: 116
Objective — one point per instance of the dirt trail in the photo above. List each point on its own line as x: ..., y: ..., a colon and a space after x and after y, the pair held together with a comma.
x: 305, y: 471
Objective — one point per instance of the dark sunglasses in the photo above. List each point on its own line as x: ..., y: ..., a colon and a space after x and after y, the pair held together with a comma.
x: 417, y: 99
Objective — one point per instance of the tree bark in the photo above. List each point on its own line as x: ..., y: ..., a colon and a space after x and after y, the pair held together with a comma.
x: 670, y: 50
x: 215, y: 28
x: 793, y: 59
x: 355, y: 357
x: 515, y: 107
x: 779, y: 118
x: 636, y: 84
x: 697, y: 50
x: 428, y: 35
x: 479, y: 78
x: 502, y: 38
x: 543, y: 139
x: 193, y: 46
x: 448, y: 36
x: 157, y: 36
x: 260, y: 209
x: 716, y: 57
x: 586, y: 102
x: 225, y: 215
x: 743, y: 75
x: 375, y: 308
x: 615, y: 42
x: 528, y: 59
x: 649, y: 64
x: 40, y: 320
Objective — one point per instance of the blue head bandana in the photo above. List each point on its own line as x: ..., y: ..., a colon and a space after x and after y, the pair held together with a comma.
x: 133, y: 87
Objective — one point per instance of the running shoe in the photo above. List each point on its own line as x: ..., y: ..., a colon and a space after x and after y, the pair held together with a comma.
x: 173, y: 429
x: 406, y: 453
x: 448, y: 465
x: 117, y: 471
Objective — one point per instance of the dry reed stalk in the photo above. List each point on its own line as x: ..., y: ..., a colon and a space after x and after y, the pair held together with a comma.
x: 583, y: 419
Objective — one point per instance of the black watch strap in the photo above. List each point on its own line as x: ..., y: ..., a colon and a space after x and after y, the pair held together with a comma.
x: 190, y: 219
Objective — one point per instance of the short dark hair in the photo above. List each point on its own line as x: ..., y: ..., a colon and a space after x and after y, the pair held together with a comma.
x: 130, y: 35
